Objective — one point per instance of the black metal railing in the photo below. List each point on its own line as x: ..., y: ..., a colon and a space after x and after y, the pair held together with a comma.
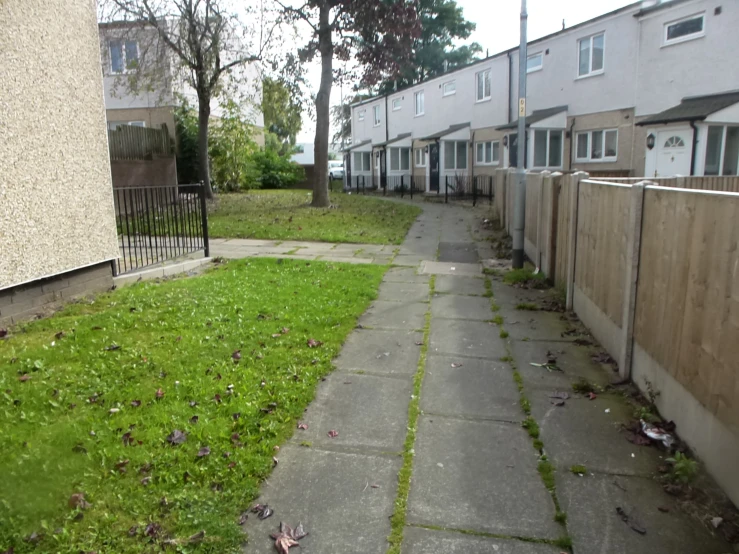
x: 159, y: 223
x: 464, y: 187
x: 404, y: 185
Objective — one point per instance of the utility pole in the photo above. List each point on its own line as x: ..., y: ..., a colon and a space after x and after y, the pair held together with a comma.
x: 519, y: 206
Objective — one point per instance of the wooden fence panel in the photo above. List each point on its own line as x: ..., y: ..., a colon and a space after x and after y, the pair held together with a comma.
x: 602, y: 234
x: 138, y: 143
x: 687, y: 315
x: 719, y: 183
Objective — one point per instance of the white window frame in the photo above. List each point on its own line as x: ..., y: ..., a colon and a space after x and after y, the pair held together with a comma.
x: 591, y: 72
x: 400, y: 150
x: 456, y: 157
x: 549, y: 141
x: 445, y: 92
x: 589, y: 158
x: 722, y: 152
x: 397, y: 104
x: 124, y: 54
x: 540, y: 55
x: 481, y: 74
x: 364, y: 156
x: 360, y: 115
x: 377, y: 116
x: 685, y: 38
x: 416, y: 96
x: 484, y: 144
x: 420, y: 157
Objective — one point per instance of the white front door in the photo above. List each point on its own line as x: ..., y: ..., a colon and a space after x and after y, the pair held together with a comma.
x: 673, y: 152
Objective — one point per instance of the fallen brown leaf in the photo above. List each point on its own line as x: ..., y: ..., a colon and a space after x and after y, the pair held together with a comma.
x: 313, y: 343
x: 135, y: 403
x: 176, y: 437
x: 77, y: 500
x: 333, y: 434
x: 25, y: 377
x: 160, y: 393
x: 203, y: 452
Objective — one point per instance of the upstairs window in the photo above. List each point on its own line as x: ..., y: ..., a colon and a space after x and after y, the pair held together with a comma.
x: 396, y: 104
x: 420, y: 107
x: 483, y: 85
x: 449, y: 88
x: 684, y: 29
x: 534, y: 62
x: 377, y: 115
x: 360, y: 115
x: 591, y: 55
x: 124, y: 55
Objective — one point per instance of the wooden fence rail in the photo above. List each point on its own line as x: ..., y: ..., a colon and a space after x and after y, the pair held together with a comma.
x: 139, y: 143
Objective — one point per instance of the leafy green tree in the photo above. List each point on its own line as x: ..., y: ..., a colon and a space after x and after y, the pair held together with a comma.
x: 442, y: 23
x: 282, y: 111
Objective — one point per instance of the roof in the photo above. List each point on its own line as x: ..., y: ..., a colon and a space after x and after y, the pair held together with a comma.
x: 396, y: 139
x: 535, y: 117
x: 449, y: 131
x: 660, y: 4
x: 357, y: 145
x: 694, y: 108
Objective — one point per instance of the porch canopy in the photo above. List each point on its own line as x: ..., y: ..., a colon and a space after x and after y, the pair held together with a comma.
x: 403, y: 140
x: 548, y: 118
x: 364, y: 146
x: 461, y: 131
x: 697, y: 108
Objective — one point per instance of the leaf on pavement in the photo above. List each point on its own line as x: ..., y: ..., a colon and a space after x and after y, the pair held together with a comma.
x: 288, y: 537
x: 333, y: 434
x: 302, y: 426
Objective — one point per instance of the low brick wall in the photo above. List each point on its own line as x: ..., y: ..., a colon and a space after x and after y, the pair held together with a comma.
x: 27, y: 301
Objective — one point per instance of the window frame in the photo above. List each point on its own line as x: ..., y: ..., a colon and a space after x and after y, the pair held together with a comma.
x: 721, y: 170
x: 589, y: 134
x: 364, y: 156
x: 419, y: 157
x: 420, y: 94
x: 360, y: 115
x: 399, y: 105
x: 477, y: 87
x: 444, y: 85
x: 124, y: 55
x: 399, y: 151
x: 377, y: 115
x: 541, y: 63
x: 455, y: 148
x: 591, y: 72
x: 548, y: 146
x: 685, y: 38
x: 484, y: 144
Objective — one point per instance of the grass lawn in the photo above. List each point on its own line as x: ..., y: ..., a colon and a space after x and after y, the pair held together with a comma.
x: 90, y: 400
x: 285, y: 215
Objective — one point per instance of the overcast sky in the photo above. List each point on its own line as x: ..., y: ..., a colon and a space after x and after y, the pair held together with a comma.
x: 498, y: 29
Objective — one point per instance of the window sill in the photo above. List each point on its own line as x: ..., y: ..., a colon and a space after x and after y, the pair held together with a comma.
x: 420, y: 114
x: 448, y: 94
x: 486, y: 164
x: 589, y: 75
x: 588, y: 161
x: 682, y: 40
x: 534, y: 70
x: 488, y: 99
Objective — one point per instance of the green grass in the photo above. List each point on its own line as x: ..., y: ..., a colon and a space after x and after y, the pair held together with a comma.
x: 546, y: 470
x: 59, y: 436
x: 531, y: 426
x: 578, y: 469
x: 527, y: 306
x: 525, y: 276
x: 503, y: 334
x: 286, y: 215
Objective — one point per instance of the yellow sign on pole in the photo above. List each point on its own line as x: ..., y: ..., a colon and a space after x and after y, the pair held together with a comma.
x: 521, y: 107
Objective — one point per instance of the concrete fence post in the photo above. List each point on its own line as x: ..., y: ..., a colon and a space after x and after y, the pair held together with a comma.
x: 633, y: 249
x: 546, y: 176
x: 552, y: 213
x: 575, y: 179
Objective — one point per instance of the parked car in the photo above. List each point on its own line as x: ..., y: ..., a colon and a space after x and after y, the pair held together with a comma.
x: 335, y: 170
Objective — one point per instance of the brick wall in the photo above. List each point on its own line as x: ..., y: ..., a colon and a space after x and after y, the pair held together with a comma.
x: 39, y: 297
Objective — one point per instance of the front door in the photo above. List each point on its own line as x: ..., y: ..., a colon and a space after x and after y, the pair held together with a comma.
x: 377, y: 172
x: 348, y: 170
x: 383, y: 169
x: 673, y: 152
x: 434, y: 166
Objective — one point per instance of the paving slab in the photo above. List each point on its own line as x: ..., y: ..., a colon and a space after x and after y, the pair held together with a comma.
x: 405, y: 275
x: 479, y: 476
x: 479, y: 388
x: 451, y: 268
x: 328, y: 493
x: 537, y: 325
x: 582, y: 432
x: 426, y: 541
x: 408, y: 260
x: 403, y: 292
x: 466, y: 338
x: 461, y: 307
x: 510, y: 296
x: 322, y: 246
x: 595, y: 527
x: 459, y: 252
x: 395, y: 315
x: 343, y: 260
x: 460, y: 285
x: 366, y: 410
x: 574, y: 361
x: 377, y: 351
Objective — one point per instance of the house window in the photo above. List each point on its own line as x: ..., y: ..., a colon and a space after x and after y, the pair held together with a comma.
x: 455, y: 154
x: 449, y: 88
x: 722, y: 150
x: 534, y: 62
x: 419, y: 103
x: 124, y: 55
x: 591, y: 52
x: 396, y: 104
x: 420, y: 155
x: 487, y: 153
x: 362, y: 161
x: 360, y: 116
x: 377, y: 115
x: 115, y: 125
x: 483, y: 85
x: 548, y: 148
x: 684, y: 29
x: 400, y: 159
x: 597, y: 146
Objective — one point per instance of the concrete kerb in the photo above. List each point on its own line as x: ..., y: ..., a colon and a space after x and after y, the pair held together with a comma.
x: 160, y: 272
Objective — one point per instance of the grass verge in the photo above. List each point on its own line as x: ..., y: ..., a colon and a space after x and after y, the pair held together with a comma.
x: 397, y: 521
x: 93, y: 395
x: 286, y: 215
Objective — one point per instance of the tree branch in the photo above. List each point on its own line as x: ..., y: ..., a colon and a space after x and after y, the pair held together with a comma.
x: 299, y: 13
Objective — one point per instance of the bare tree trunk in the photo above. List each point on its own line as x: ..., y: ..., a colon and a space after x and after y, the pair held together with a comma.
x: 203, y: 160
x: 325, y: 47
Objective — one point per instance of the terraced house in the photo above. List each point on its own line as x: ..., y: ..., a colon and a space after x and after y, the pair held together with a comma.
x: 648, y: 89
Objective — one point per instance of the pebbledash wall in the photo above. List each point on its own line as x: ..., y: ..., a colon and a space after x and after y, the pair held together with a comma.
x: 57, y: 225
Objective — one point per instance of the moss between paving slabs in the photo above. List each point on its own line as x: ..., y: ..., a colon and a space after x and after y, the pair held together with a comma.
x: 286, y: 215
x: 88, y: 419
x: 397, y: 521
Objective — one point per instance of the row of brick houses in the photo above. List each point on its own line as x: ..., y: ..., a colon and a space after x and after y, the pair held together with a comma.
x: 648, y: 89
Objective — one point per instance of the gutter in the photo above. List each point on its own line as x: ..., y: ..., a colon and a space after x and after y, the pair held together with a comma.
x: 695, y: 147
x: 510, y: 86
x: 572, y: 137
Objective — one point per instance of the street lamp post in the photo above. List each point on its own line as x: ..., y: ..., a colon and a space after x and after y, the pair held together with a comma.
x: 519, y: 207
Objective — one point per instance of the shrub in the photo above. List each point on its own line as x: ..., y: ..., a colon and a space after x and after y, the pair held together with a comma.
x: 275, y: 171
